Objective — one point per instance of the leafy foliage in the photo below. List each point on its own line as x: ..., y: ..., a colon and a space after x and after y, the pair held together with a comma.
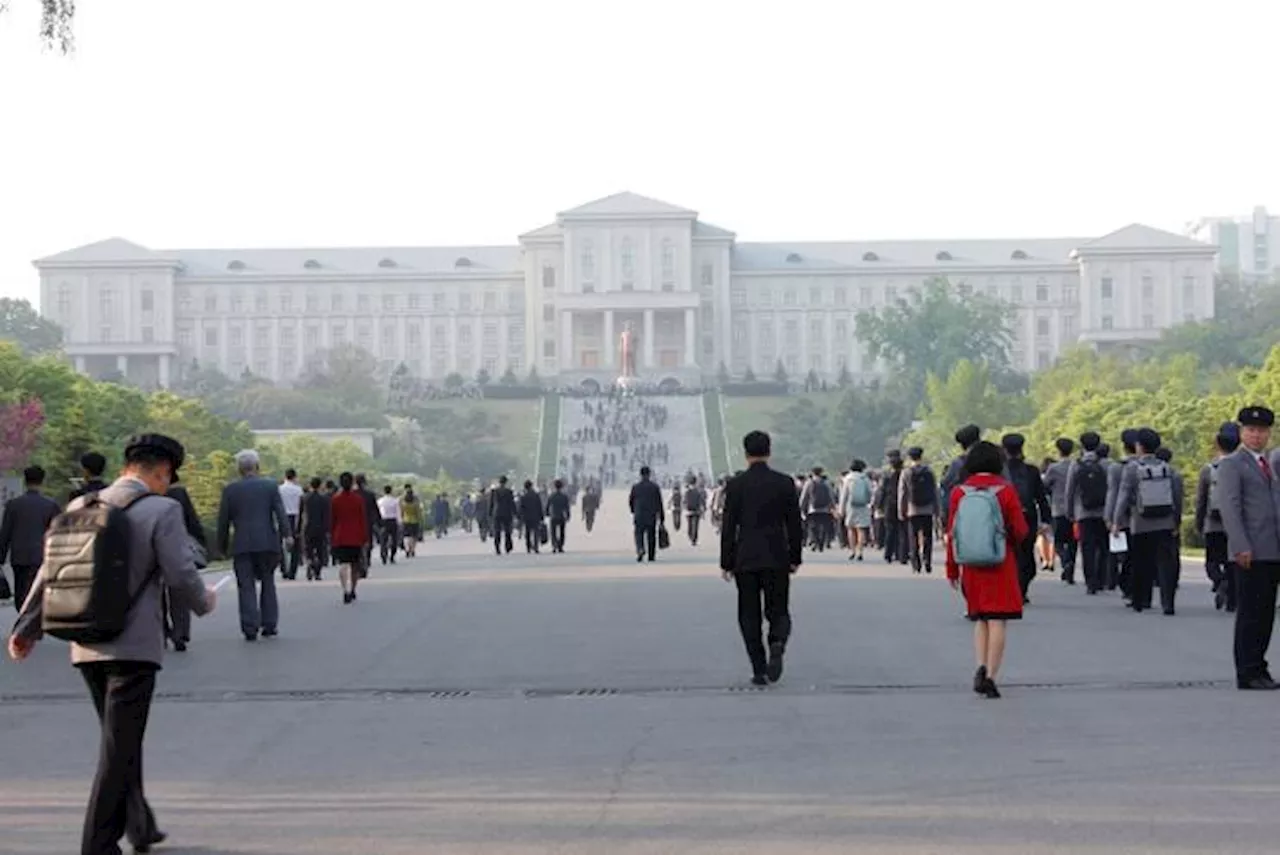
x: 56, y: 17
x: 21, y: 323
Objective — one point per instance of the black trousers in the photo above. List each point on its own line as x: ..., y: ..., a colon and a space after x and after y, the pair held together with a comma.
x: 289, y: 566
x: 557, y: 534
x: 763, y: 595
x: 1220, y: 569
x: 502, y: 534
x: 820, y: 530
x: 589, y: 517
x: 695, y: 521
x: 121, y: 693
x: 1095, y: 545
x: 895, y: 546
x: 921, y: 528
x: 1064, y: 543
x: 1025, y: 553
x: 1152, y: 557
x: 1255, y: 617
x: 389, y: 540
x: 532, y: 536
x: 647, y: 540
x: 317, y: 546
x: 24, y: 576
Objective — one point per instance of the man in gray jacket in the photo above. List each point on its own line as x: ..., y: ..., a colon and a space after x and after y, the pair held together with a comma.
x: 1087, y: 489
x: 1217, y: 560
x: 252, y: 506
x: 121, y: 674
x: 918, y: 505
x: 1149, y: 500
x: 1055, y: 482
x: 1249, y: 499
x: 1115, y: 474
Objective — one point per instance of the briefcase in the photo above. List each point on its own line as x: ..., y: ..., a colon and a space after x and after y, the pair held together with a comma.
x: 664, y: 539
x: 542, y: 533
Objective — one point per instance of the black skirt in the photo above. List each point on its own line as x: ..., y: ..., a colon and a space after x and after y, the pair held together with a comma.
x: 348, y: 554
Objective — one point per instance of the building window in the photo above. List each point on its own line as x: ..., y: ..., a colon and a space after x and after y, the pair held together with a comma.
x: 628, y: 265
x: 548, y: 313
x: 237, y: 304
x: 548, y: 277
x: 708, y: 276
x: 1042, y: 359
x: 842, y: 297
x: 1042, y: 327
x: 490, y: 301
x: 335, y: 301
x: 288, y: 338
x: 1015, y: 294
x: 1042, y: 292
x: 841, y: 331
x: 362, y: 302
x: 313, y: 302
x: 104, y: 304
x: 815, y: 296
x: 286, y: 303
x: 438, y: 301
x: 788, y: 296
x: 184, y: 338
x: 588, y: 260
x: 890, y: 293
x: 260, y: 301
x: 864, y: 296
x: 211, y: 302
x: 1069, y: 327
x: 1148, y: 321
x: 337, y: 335
x: 64, y: 302
x: 1107, y: 322
x: 668, y: 287
x: 549, y: 349
x: 287, y: 362
x: 1148, y: 289
x: 515, y: 299
x: 237, y: 337
x: 1070, y: 294
x: 148, y: 300
x: 148, y: 335
x: 413, y: 333
x: 210, y: 337
x: 464, y: 301
x: 668, y: 261
x: 388, y: 302
x: 313, y: 336
x: 1107, y: 288
x: 766, y: 297
x: 415, y: 301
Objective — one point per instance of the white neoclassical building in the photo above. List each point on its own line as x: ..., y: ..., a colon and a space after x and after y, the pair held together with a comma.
x: 694, y: 297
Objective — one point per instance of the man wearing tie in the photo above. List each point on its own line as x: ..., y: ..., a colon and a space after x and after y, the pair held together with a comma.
x: 1249, y: 501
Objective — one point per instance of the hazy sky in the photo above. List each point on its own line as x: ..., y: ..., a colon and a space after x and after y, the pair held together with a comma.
x: 331, y: 122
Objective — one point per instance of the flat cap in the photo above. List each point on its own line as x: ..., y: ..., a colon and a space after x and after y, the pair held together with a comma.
x: 1013, y: 440
x: 968, y: 435
x: 155, y: 445
x: 1256, y: 416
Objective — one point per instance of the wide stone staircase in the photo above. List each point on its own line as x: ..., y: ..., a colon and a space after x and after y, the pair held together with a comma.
x: 683, y: 434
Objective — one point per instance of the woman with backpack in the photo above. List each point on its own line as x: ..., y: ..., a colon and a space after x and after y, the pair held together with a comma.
x: 986, y: 524
x: 856, y: 508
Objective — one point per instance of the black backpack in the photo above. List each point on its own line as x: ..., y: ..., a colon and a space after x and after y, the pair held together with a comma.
x: 86, y: 572
x: 820, y: 498
x: 1091, y: 481
x: 923, y: 489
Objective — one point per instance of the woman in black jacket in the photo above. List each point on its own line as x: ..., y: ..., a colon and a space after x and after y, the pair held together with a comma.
x: 179, y: 629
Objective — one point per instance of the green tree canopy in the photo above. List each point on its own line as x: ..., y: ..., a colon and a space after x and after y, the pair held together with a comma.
x: 21, y: 323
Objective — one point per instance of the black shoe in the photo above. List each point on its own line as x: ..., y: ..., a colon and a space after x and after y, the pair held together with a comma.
x: 1258, y: 684
x: 270, y: 633
x: 980, y: 679
x: 251, y: 636
x: 989, y: 689
x: 759, y: 680
x: 179, y: 647
x: 155, y: 839
x: 346, y: 599
x: 774, y: 669
x: 1170, y: 611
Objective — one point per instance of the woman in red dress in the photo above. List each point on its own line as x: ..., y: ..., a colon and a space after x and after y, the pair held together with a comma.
x: 992, y: 594
x: 348, y: 531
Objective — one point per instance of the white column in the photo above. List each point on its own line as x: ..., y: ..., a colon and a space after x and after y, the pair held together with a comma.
x: 504, y: 355
x: 648, y: 339
x: 568, y: 359
x: 690, y: 338
x: 122, y: 364
x: 453, y: 343
x: 610, y: 346
x: 164, y: 371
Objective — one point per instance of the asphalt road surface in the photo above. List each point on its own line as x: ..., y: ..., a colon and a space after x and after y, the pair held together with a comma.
x: 587, y: 704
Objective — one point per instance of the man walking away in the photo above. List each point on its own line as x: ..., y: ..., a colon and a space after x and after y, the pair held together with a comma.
x: 1217, y: 559
x: 92, y: 464
x: 179, y: 626
x: 1055, y: 481
x: 1173, y: 571
x: 26, y: 518
x: 966, y: 437
x: 440, y: 515
x: 817, y: 502
x: 1248, y: 497
x: 291, y: 498
x: 590, y: 507
x: 761, y: 545
x: 121, y: 672
x: 252, y: 507
x: 695, y: 505
x: 502, y: 514
x: 558, y: 506
x: 389, y: 514
x: 647, y: 514
x: 373, y: 521
x: 1120, y: 562
x: 895, y: 535
x: 918, y: 504
x: 1148, y: 499
x: 315, y: 529
x: 1026, y: 480
x: 532, y: 513
x: 1086, y: 501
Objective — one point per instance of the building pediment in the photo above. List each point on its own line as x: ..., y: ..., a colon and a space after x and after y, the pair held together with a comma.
x: 1139, y: 238
x: 626, y: 205
x: 112, y: 251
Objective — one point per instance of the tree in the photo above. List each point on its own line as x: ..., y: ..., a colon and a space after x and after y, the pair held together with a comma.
x: 967, y: 395
x: 509, y: 378
x: 811, y: 381
x: 534, y: 379
x: 935, y: 327
x: 1245, y: 326
x: 21, y: 323
x: 722, y: 375
x: 748, y: 376
x: 482, y: 377
x: 863, y: 424
x: 844, y: 379
x: 797, y: 435
x: 55, y: 24
x: 454, y: 381
x: 780, y: 373
x: 20, y: 425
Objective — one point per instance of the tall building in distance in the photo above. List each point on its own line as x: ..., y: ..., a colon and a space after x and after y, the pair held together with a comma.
x: 692, y: 295
x: 1248, y: 247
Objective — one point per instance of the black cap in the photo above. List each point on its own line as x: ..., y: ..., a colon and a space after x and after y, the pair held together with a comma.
x: 1148, y: 439
x: 894, y: 454
x: 1089, y: 440
x: 968, y: 435
x: 1013, y: 441
x: 1164, y: 453
x: 915, y: 452
x: 1256, y: 416
x: 1129, y: 437
x: 156, y: 446
x: 1104, y: 449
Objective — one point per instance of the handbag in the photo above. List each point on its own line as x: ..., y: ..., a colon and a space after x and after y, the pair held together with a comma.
x: 542, y: 533
x: 664, y: 539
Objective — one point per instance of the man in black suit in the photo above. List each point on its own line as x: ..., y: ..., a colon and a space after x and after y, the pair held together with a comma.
x: 502, y: 515
x: 93, y: 465
x: 647, y: 513
x: 761, y: 545
x: 26, y: 518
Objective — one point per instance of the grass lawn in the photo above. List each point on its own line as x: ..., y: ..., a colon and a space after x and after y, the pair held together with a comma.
x: 745, y: 414
x: 517, y: 423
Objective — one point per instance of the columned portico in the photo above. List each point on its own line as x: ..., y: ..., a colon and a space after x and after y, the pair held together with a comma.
x: 648, y: 339
x: 610, y: 346
x: 690, y: 338
x: 568, y: 351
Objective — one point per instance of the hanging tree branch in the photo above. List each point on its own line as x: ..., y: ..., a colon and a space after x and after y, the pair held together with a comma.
x: 55, y: 24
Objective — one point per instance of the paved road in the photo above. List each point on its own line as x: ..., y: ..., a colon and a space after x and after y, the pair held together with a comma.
x: 587, y: 704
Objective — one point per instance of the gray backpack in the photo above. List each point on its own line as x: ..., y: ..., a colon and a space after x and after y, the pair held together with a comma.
x: 1155, y: 491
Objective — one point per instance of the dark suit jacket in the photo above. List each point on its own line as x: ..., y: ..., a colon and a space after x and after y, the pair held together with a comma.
x: 316, y: 514
x: 760, y: 528
x: 502, y: 503
x: 373, y: 516
x: 26, y: 518
x: 190, y: 519
x: 531, y: 510
x: 253, y: 507
x: 646, y: 503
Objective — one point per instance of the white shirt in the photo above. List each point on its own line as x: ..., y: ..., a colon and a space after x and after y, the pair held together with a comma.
x: 389, y: 508
x: 291, y: 498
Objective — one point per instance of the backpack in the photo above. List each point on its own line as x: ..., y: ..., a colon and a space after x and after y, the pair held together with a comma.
x: 1215, y: 511
x: 860, y: 491
x: 1020, y: 475
x: 1091, y: 479
x: 820, y: 496
x: 86, y: 572
x: 977, y: 532
x: 923, y: 489
x: 1155, y: 491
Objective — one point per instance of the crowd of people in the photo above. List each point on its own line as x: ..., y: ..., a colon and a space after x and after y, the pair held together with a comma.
x: 618, y: 439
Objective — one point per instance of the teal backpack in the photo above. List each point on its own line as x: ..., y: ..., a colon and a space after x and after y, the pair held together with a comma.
x: 977, y: 535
